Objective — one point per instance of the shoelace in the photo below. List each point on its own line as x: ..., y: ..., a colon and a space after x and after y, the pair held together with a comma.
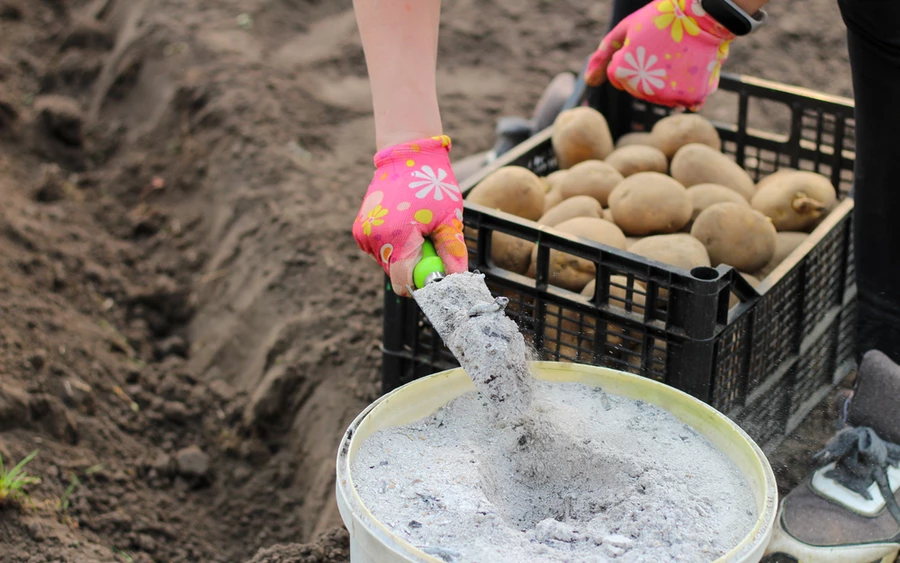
x: 862, y: 457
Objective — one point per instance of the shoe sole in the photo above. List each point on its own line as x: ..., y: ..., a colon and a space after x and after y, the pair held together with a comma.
x: 785, y: 544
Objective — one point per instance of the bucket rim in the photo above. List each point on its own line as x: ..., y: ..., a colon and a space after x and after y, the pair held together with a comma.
x: 353, y: 509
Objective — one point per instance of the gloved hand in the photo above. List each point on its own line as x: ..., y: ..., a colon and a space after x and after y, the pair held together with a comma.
x: 413, y: 194
x: 669, y: 53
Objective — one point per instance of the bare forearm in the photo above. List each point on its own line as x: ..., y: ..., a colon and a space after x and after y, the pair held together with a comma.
x: 399, y: 38
x: 751, y: 6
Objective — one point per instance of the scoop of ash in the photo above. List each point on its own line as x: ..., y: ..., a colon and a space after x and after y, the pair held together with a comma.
x: 487, y: 343
x: 535, y: 449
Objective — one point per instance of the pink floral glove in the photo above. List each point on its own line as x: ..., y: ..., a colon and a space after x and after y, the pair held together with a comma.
x: 669, y: 52
x: 413, y: 194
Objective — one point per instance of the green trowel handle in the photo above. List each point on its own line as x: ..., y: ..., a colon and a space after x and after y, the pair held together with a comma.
x: 429, y: 267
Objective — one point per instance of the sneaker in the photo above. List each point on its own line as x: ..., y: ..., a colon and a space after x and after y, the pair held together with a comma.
x: 847, y: 510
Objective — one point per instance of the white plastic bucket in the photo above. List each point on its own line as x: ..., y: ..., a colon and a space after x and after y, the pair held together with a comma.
x: 372, y: 542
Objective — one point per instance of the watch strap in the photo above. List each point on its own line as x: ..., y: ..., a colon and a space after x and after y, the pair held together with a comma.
x: 732, y: 17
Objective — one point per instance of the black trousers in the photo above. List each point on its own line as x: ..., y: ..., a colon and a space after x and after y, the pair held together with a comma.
x: 873, y: 37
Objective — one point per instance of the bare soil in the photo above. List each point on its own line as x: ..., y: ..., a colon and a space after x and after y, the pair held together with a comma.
x: 186, y: 324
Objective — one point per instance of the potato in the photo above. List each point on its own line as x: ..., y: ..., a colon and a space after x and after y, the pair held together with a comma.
x: 575, y: 206
x: 637, y: 138
x: 507, y: 252
x: 569, y: 342
x: 657, y: 363
x: 562, y: 326
x: 511, y: 253
x: 545, y: 183
x: 679, y: 249
x: 794, y: 200
x: 512, y: 189
x: 620, y: 295
x: 675, y: 131
x: 638, y: 158
x: 780, y: 173
x: 752, y: 280
x: 785, y: 243
x: 571, y: 272
x: 704, y: 195
x: 590, y: 177
x: 815, y: 224
x: 552, y: 199
x: 607, y: 214
x: 734, y: 299
x: 553, y: 178
x: 650, y: 203
x: 735, y: 235
x: 629, y: 241
x: 580, y: 133
x: 696, y: 163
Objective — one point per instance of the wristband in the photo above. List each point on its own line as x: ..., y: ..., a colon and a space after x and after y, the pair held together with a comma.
x: 732, y: 17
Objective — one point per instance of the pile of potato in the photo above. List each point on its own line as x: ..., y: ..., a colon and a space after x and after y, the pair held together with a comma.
x: 669, y: 195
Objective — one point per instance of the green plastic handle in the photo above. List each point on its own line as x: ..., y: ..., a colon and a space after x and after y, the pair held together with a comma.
x: 429, y: 264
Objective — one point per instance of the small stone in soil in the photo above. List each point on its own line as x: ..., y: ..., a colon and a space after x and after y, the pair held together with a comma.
x: 222, y: 390
x: 162, y: 463
x: 192, y: 462
x: 35, y: 532
x: 51, y: 186
x: 176, y: 411
x: 13, y: 407
x: 37, y: 359
x: 171, y: 346
x: 61, y: 118
x: 50, y: 413
x: 145, y: 543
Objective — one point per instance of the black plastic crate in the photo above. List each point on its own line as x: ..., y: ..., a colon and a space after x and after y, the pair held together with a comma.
x: 765, y: 361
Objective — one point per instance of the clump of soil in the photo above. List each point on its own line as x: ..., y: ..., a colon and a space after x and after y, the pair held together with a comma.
x: 188, y: 325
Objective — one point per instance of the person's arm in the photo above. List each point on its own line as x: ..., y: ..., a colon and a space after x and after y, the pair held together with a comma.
x: 751, y: 6
x: 400, y: 38
x: 413, y: 194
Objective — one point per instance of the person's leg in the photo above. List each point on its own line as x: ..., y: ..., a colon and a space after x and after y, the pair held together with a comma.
x: 617, y: 104
x: 832, y: 515
x: 874, y: 46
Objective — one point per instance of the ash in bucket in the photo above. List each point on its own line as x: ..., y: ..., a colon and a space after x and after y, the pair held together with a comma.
x: 527, y: 470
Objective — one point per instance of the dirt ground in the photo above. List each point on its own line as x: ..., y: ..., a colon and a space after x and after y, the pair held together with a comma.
x: 187, y: 324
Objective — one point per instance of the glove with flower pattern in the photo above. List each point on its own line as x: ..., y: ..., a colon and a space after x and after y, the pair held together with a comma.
x: 413, y: 195
x: 670, y: 53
